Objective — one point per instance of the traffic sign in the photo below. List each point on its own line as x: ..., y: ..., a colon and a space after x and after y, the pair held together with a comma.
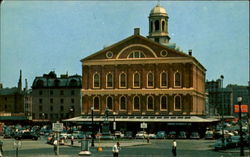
x: 144, y: 125
x: 57, y: 127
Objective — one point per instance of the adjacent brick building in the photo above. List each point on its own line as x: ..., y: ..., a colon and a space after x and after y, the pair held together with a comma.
x: 56, y: 98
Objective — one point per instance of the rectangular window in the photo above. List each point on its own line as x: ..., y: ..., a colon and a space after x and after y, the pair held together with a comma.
x: 51, y: 108
x: 72, y: 92
x: 40, y: 101
x: 62, y: 108
x: 62, y: 101
x: 72, y: 100
x: 51, y: 101
x: 40, y: 108
x: 51, y: 92
x: 61, y: 92
x: 40, y: 92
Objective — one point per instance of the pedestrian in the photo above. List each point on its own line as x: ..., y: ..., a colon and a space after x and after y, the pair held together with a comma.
x: 55, y: 146
x: 174, y: 145
x: 1, y: 148
x: 72, y: 140
x: 116, y: 149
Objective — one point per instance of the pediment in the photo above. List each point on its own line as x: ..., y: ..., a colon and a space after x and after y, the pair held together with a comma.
x: 132, y: 47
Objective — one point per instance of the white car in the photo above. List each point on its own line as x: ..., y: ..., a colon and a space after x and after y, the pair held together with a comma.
x: 141, y: 134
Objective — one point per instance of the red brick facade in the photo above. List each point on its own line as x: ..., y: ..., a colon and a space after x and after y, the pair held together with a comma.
x: 140, y: 55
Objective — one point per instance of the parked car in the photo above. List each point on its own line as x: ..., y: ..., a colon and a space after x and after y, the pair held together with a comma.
x: 182, y: 135
x: 161, y: 135
x: 26, y: 135
x: 194, y: 135
x: 171, y: 134
x: 235, y: 141
x: 219, y: 144
x: 77, y: 135
x: 141, y: 134
x: 118, y: 134
x: 128, y: 134
x: 209, y: 135
x: 152, y: 136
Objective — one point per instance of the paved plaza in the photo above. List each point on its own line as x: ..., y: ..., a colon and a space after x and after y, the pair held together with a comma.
x: 130, y: 148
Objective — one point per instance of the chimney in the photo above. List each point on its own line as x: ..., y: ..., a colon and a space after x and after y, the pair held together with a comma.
x: 136, y: 31
x: 190, y: 52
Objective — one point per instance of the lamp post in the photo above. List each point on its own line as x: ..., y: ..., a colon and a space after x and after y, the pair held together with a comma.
x: 239, y: 99
x: 114, y: 124
x: 222, y: 112
x: 92, y: 126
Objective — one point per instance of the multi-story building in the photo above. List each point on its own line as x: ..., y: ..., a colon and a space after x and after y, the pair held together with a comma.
x: 239, y: 91
x: 12, y: 103
x: 56, y: 98
x: 220, y: 100
x: 144, y: 80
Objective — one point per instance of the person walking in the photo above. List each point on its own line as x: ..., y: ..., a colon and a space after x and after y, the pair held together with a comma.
x: 174, y: 145
x: 72, y: 140
x: 55, y: 146
x: 116, y: 149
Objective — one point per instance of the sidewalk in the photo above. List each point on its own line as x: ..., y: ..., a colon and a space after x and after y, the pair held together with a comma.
x: 110, y: 143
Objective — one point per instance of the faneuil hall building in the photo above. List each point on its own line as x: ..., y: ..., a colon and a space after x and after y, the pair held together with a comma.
x: 144, y: 79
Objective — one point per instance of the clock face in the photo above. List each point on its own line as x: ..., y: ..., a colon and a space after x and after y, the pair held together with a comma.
x: 109, y: 54
x: 164, y: 53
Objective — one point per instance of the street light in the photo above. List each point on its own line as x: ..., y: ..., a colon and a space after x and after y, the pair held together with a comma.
x: 222, y: 113
x: 239, y: 99
x: 92, y: 126
x: 114, y: 124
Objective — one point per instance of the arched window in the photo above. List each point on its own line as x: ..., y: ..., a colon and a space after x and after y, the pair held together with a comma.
x: 157, y: 27
x: 163, y: 26
x: 39, y: 83
x: 137, y: 80
x: 136, y: 54
x: 96, y: 103
x: 150, y: 103
x: 96, y: 80
x: 151, y: 26
x: 164, y: 79
x: 177, y: 79
x: 73, y: 83
x: 123, y: 80
x: 136, y: 103
x: 177, y: 103
x: 109, y: 80
x: 110, y: 103
x: 123, y: 103
x: 150, y: 79
x: 164, y: 103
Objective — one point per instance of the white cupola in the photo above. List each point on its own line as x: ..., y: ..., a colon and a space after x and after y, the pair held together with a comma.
x: 158, y: 25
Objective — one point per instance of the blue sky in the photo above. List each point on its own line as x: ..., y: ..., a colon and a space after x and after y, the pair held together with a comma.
x: 41, y: 36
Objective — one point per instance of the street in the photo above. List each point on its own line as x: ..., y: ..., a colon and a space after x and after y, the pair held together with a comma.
x: 158, y: 148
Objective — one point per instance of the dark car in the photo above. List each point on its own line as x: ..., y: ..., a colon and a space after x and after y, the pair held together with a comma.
x: 182, y: 135
x: 171, y: 134
x: 128, y: 134
x: 161, y: 135
x: 26, y: 135
x: 194, y: 135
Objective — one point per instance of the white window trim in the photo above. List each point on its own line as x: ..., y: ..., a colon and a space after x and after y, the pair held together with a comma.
x: 134, y: 80
x: 96, y: 73
x: 180, y: 78
x: 93, y: 103
x: 153, y: 80
x: 134, y: 103
x: 161, y: 79
x: 125, y: 80
x: 161, y: 103
x: 121, y: 101
x: 112, y: 103
x: 107, y: 80
x: 133, y: 53
x: 180, y: 103
x: 153, y: 103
